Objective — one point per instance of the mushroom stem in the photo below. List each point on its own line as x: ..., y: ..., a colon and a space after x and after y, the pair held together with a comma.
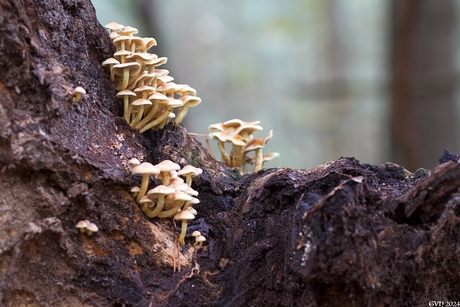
x: 124, y: 83
x: 197, y: 245
x: 182, y: 232
x: 158, y: 208
x: 181, y: 114
x: 176, y: 206
x: 148, y: 117
x: 138, y: 116
x: 155, y: 122
x: 77, y: 97
x: 224, y: 154
x: 143, y: 188
x: 188, y: 179
x: 259, y: 160
x: 237, y: 156
x: 126, y: 108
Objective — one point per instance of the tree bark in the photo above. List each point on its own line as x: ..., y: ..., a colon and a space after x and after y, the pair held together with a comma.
x: 342, y: 234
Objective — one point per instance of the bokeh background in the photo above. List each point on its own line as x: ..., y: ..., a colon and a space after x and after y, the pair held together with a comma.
x: 374, y: 79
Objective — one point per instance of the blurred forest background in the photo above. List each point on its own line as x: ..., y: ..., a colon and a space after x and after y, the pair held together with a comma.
x: 376, y: 79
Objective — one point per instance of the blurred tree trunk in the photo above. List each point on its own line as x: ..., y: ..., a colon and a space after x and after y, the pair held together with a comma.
x: 422, y: 110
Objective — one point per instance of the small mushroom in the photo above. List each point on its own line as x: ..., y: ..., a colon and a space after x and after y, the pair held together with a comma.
x: 134, y: 162
x: 199, y: 241
x: 82, y: 225
x: 178, y: 200
x: 145, y: 169
x: 125, y: 94
x: 91, y: 228
x: 257, y: 145
x: 159, y: 192
x: 189, y: 171
x: 134, y: 191
x: 113, y: 26
x: 183, y: 216
x: 165, y: 167
x: 189, y: 101
x: 110, y: 62
x: 126, y: 70
x: 77, y: 92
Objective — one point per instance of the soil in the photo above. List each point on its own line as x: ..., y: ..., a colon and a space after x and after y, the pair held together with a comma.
x: 345, y: 233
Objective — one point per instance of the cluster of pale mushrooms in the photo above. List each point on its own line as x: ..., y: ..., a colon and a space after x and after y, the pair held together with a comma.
x: 87, y: 227
x: 240, y: 134
x: 173, y: 198
x: 148, y: 93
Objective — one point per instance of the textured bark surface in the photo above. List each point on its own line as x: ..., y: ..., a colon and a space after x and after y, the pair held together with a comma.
x: 342, y: 234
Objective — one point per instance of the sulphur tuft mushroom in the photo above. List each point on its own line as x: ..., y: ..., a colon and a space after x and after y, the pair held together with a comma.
x: 77, y: 92
x: 159, y: 192
x: 91, y: 228
x: 165, y: 167
x: 199, y: 241
x: 82, y: 225
x: 189, y: 171
x: 146, y: 170
x: 183, y: 216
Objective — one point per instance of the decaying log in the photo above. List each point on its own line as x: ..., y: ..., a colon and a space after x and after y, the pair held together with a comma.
x: 342, y: 234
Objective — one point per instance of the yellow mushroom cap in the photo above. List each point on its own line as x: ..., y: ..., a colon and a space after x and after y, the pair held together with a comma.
x: 190, y: 169
x: 82, y: 224
x: 113, y: 26
x: 79, y: 90
x: 184, y: 215
x: 167, y: 166
x: 145, y: 168
x: 160, y: 190
x: 92, y: 227
x: 200, y: 238
x: 196, y: 233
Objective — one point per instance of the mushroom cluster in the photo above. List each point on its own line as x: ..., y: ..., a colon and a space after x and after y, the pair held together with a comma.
x: 240, y: 134
x: 174, y: 197
x: 149, y: 95
x: 87, y: 226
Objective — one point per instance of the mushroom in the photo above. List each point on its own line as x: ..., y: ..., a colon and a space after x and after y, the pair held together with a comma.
x: 149, y: 42
x: 82, y: 225
x: 113, y: 26
x: 145, y: 202
x: 141, y: 103
x: 177, y: 200
x: 121, y: 55
x: 160, y: 120
x: 165, y: 167
x: 183, y: 216
x: 110, y: 62
x: 189, y: 101
x: 145, y: 169
x: 151, y: 64
x: 128, y: 31
x: 134, y: 191
x: 158, y: 100
x: 134, y: 162
x: 121, y: 42
x: 125, y: 71
x: 91, y: 228
x: 126, y: 94
x: 257, y: 145
x: 77, y: 92
x: 265, y: 158
x: 159, y: 192
x: 199, y: 241
x: 221, y: 139
x: 189, y: 171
